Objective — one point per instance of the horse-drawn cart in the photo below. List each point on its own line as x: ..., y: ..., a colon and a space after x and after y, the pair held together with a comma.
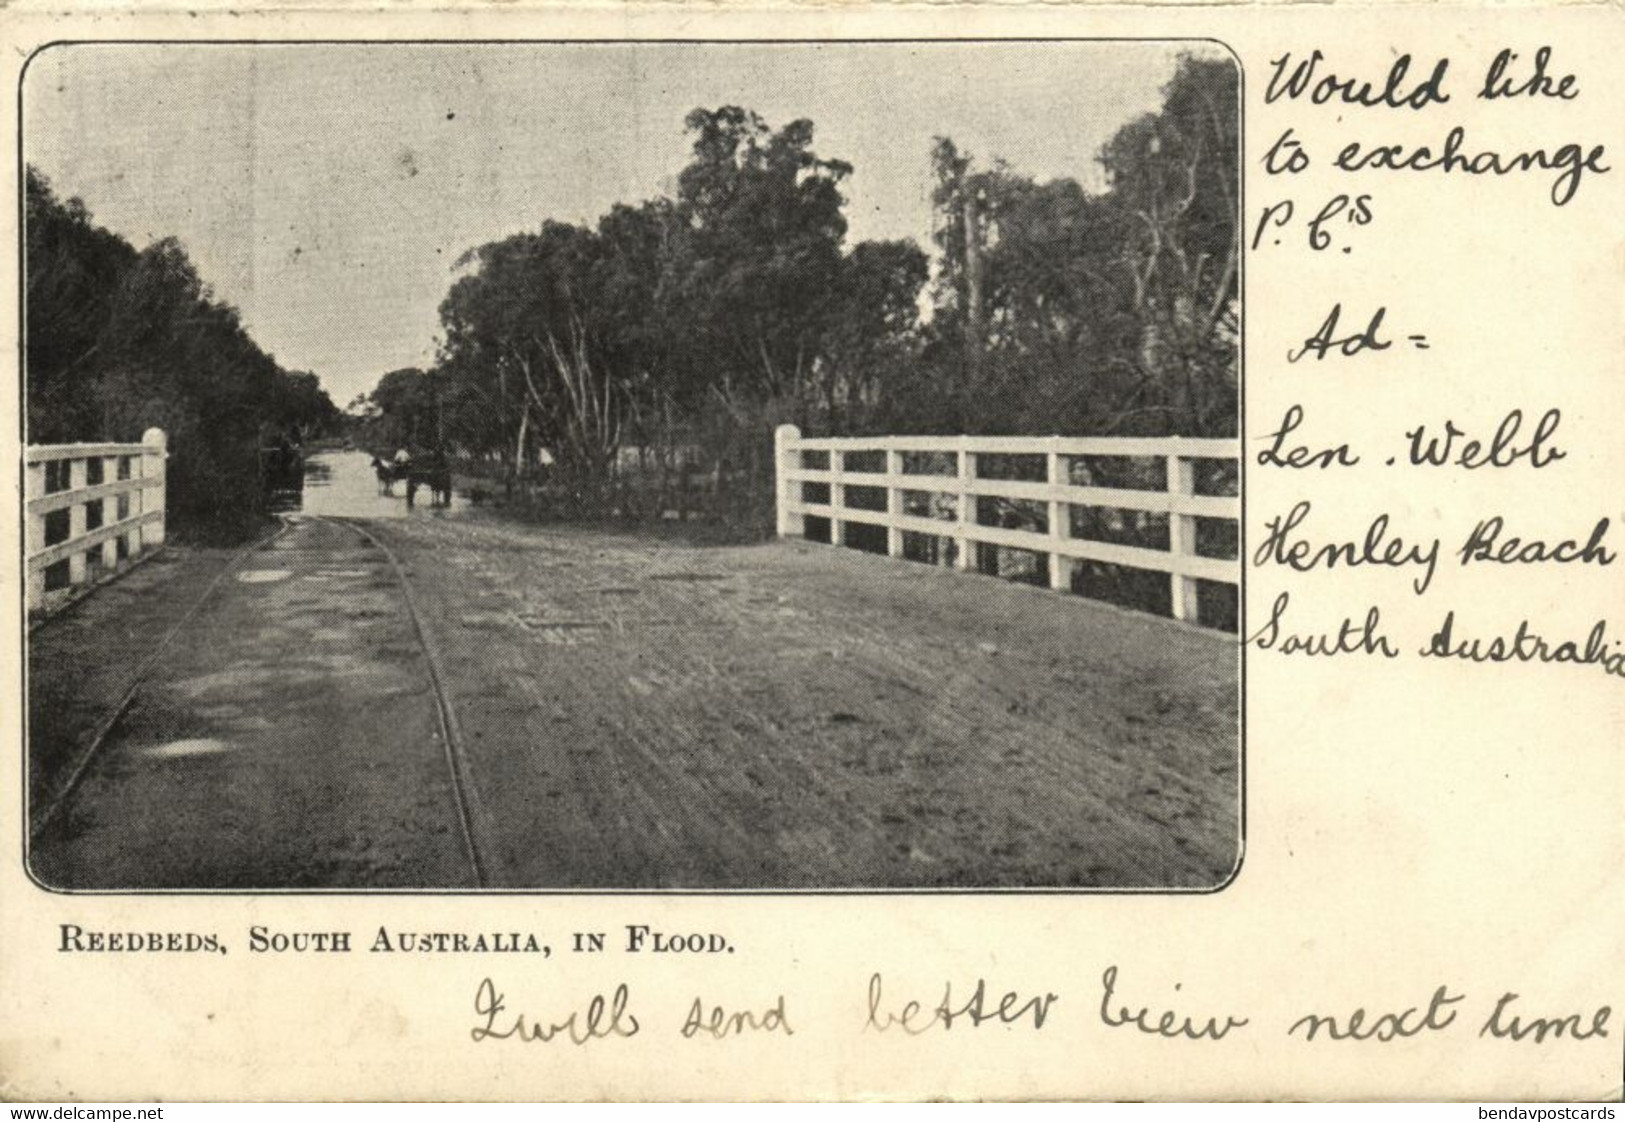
x: 282, y: 470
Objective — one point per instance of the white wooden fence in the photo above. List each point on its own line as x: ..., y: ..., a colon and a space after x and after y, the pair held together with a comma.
x: 1179, y: 501
x: 89, y: 509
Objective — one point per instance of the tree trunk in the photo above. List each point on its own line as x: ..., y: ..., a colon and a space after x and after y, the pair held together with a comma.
x: 973, y: 283
x: 519, y: 451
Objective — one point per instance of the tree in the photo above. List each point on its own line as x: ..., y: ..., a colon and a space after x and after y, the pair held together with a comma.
x: 872, y: 337
x: 754, y: 275
x: 1108, y: 314
x: 1028, y: 318
x: 74, y: 271
x: 522, y: 333
x: 1174, y: 180
x: 405, y: 413
x: 119, y: 340
x: 303, y: 406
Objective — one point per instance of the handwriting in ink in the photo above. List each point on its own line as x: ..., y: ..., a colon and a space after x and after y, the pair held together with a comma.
x: 1384, y: 1026
x: 1377, y: 548
x: 1538, y: 84
x: 1502, y: 451
x: 599, y: 1020
x: 914, y: 1018
x: 1286, y: 156
x: 1279, y: 455
x: 1354, y: 211
x: 1350, y: 638
x: 1306, y: 79
x: 1572, y: 161
x: 1526, y: 645
x: 1326, y: 339
x: 1486, y: 544
x: 1511, y: 1026
x: 719, y: 1024
x: 1169, y: 1024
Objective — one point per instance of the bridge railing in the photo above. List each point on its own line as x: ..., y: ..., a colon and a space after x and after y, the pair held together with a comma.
x: 89, y: 510
x: 949, y: 467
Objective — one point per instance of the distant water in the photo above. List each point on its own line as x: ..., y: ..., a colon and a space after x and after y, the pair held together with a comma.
x: 344, y: 485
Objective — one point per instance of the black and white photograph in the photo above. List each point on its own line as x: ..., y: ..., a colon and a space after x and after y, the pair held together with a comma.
x: 668, y: 466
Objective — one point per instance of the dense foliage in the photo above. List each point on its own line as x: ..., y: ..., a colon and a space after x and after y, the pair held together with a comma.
x: 676, y: 333
x: 120, y: 340
x: 1116, y: 314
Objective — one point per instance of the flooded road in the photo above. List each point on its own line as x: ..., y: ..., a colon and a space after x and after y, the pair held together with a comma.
x: 343, y: 485
x: 443, y: 697
x: 287, y: 738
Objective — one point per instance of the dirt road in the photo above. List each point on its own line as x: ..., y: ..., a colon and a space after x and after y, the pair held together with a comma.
x: 287, y: 738
x: 639, y: 713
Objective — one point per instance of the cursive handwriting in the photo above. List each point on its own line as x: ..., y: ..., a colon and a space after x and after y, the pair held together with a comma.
x: 914, y: 1019
x: 1385, y: 1026
x: 1502, y: 451
x: 1504, y: 1025
x: 1571, y: 161
x: 1525, y: 645
x: 719, y: 1024
x: 1326, y: 340
x: 1170, y: 1024
x: 600, y: 1020
x: 1538, y: 84
x: 1305, y: 79
x: 1378, y: 548
x: 1351, y: 638
x: 1485, y: 544
x: 1278, y: 455
x: 604, y: 1018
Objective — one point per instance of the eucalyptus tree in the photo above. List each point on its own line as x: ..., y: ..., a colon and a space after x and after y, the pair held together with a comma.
x: 1174, y: 177
x: 1105, y: 313
x: 755, y: 273
x: 120, y: 339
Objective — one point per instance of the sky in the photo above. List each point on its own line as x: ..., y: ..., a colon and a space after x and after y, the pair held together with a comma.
x: 326, y: 191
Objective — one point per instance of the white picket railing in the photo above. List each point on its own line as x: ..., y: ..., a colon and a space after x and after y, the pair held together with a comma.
x: 1179, y: 501
x: 90, y: 509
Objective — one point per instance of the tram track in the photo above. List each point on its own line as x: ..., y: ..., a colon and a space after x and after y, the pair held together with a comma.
x: 451, y: 735
x: 471, y: 853
x: 64, y: 792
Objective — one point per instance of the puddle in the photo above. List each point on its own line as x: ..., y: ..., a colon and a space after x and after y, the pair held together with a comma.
x: 264, y: 576
x: 562, y: 633
x: 178, y: 749
x: 534, y: 622
x: 241, y: 679
x: 484, y: 621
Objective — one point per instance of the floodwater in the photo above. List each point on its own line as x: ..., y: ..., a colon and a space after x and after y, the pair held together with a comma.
x: 344, y: 485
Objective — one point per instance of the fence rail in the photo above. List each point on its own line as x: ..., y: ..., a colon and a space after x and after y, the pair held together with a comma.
x: 89, y: 509
x: 1057, y: 494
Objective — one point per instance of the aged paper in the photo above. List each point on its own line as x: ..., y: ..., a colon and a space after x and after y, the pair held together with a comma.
x: 1363, y: 843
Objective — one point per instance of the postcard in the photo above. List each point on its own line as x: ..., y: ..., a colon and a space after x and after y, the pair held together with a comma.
x: 971, y: 552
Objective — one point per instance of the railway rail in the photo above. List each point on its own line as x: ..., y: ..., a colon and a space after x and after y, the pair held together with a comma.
x: 95, y: 750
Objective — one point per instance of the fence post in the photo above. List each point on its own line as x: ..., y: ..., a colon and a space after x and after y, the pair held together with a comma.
x: 34, y: 540
x: 837, y: 498
x: 894, y: 504
x: 786, y: 458
x: 1060, y: 521
x: 154, y: 491
x: 78, y: 564
x: 967, y: 506
x: 1182, y: 538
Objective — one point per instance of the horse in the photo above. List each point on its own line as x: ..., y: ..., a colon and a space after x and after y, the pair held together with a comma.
x: 436, y: 477
x: 387, y: 475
